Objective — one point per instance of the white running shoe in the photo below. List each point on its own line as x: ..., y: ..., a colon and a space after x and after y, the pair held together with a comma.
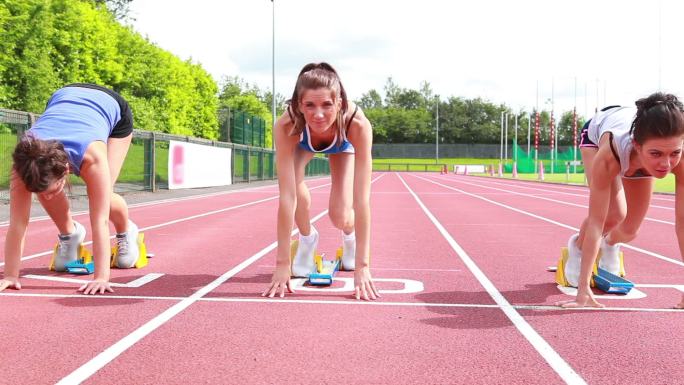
x: 303, y: 263
x: 127, y: 251
x: 67, y: 248
x: 574, y: 262
x: 610, y: 257
x: 348, y: 254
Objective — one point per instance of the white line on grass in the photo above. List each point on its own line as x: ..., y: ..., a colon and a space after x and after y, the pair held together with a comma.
x: 557, y: 363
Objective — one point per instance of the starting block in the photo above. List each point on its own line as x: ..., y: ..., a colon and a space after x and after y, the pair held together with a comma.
x: 82, y: 265
x: 601, y: 279
x: 142, y: 249
x: 611, y: 283
x: 325, y: 270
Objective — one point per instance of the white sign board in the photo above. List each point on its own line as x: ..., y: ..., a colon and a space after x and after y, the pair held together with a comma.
x: 196, y: 165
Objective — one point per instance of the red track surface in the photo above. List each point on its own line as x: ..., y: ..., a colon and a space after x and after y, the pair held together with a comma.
x: 482, y: 315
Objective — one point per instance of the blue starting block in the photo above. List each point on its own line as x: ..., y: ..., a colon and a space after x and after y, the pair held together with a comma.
x: 325, y: 271
x: 611, y: 283
x: 81, y: 266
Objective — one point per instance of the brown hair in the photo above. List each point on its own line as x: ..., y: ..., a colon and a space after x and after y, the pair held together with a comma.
x: 314, y: 76
x: 39, y: 162
x: 658, y: 116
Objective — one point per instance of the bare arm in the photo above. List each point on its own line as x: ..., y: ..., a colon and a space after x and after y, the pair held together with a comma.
x: 604, y: 170
x: 285, y: 146
x: 678, y: 172
x: 361, y: 137
x: 20, y: 206
x: 95, y: 173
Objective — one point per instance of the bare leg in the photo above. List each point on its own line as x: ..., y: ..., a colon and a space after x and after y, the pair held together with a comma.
x: 59, y: 211
x: 638, y: 194
x: 117, y: 148
x: 302, y: 218
x: 342, y: 191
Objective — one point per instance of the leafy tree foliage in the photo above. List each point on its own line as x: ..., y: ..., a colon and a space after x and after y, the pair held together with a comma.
x: 56, y: 42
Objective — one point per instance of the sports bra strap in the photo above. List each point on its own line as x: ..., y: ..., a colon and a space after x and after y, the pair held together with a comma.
x: 352, y: 118
x: 615, y: 154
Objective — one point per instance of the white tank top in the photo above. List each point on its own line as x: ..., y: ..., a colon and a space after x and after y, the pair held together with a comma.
x: 618, y: 122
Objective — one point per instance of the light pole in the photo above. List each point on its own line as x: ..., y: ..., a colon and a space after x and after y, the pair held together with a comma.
x: 437, y: 130
x: 273, y: 92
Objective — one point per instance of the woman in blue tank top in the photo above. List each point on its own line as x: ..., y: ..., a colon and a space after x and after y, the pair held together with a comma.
x: 320, y: 119
x: 623, y: 150
x: 85, y: 130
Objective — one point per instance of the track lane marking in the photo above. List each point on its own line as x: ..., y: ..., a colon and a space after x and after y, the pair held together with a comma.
x: 545, y: 350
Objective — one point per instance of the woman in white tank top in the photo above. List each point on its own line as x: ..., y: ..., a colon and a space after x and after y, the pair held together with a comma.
x: 623, y: 150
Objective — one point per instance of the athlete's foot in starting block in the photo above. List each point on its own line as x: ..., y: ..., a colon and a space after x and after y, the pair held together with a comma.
x: 348, y: 252
x: 130, y: 250
x: 610, y: 258
x: 302, y: 253
x: 582, y: 300
x: 68, y: 249
x: 568, y: 271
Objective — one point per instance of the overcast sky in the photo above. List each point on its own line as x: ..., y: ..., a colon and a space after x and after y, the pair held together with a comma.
x: 495, y: 49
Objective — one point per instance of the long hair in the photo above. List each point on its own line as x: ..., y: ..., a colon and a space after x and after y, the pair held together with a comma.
x: 658, y: 116
x: 39, y: 162
x: 314, y: 76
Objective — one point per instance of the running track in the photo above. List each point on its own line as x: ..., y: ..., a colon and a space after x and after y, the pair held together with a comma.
x: 461, y: 261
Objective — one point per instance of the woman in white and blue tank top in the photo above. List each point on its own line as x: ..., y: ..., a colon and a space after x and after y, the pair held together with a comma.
x: 85, y: 130
x: 623, y: 150
x: 320, y: 119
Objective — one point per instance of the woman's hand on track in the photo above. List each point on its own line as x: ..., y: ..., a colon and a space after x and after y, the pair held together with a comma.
x: 279, y: 283
x: 93, y: 287
x: 364, y: 286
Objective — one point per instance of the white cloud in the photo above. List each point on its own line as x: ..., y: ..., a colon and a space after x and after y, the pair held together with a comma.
x: 495, y: 49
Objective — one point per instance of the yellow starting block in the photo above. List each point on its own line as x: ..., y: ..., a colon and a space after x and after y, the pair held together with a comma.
x: 560, y: 268
x: 142, y: 249
x: 84, y: 256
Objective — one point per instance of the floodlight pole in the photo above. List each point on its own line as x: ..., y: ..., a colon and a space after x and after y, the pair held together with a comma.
x: 273, y: 92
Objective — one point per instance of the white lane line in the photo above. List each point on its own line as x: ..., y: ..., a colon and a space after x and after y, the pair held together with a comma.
x: 32, y: 256
x: 557, y: 363
x: 171, y: 200
x: 625, y: 245
x: 392, y: 269
x: 348, y: 301
x: 553, y: 200
x: 135, y: 283
x: 548, y: 191
x: 559, y: 186
x: 98, y: 362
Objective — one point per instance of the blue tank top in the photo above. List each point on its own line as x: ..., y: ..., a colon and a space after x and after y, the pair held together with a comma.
x: 76, y: 117
x: 336, y: 147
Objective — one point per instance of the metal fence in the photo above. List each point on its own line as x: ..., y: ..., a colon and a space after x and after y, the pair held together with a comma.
x: 145, y: 167
x: 448, y: 150
x: 242, y: 128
